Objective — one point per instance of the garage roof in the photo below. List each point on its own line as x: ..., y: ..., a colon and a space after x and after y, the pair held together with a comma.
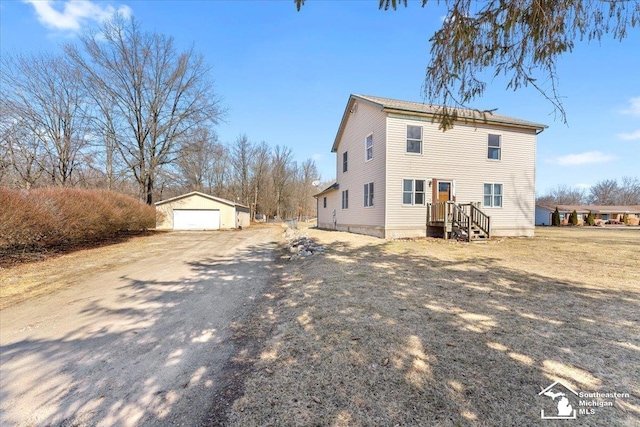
x: 193, y: 193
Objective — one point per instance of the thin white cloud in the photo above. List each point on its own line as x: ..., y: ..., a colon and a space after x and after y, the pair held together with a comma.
x: 584, y: 158
x: 317, y: 157
x: 629, y: 136
x: 634, y: 107
x: 71, y: 15
x: 583, y: 186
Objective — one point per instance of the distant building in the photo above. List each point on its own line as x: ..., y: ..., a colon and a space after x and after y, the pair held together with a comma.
x: 602, y: 214
x: 199, y: 211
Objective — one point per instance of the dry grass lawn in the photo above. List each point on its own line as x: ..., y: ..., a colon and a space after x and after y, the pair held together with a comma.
x: 431, y: 333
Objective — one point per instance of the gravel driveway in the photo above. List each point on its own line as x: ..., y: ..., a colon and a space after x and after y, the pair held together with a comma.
x: 143, y: 342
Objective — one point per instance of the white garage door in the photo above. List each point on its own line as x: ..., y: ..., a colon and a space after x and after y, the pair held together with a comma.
x: 192, y: 219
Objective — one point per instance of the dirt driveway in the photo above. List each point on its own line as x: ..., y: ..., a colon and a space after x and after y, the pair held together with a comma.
x: 141, y: 336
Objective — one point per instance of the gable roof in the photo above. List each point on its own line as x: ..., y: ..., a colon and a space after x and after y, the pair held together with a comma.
x: 334, y: 186
x: 389, y: 105
x: 194, y: 193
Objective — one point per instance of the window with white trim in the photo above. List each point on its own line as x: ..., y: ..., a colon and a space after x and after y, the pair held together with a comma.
x: 345, y: 199
x: 414, y: 139
x: 345, y: 158
x: 492, y: 195
x: 368, y: 194
x: 494, y: 147
x: 368, y: 148
x: 413, y: 192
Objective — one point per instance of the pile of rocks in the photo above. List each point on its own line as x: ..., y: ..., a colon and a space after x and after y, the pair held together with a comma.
x: 300, y: 245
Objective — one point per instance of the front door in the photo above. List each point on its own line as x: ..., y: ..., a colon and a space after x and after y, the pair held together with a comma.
x: 444, y: 191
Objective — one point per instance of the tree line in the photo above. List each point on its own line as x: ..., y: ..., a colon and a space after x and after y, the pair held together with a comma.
x: 125, y: 109
x: 608, y: 192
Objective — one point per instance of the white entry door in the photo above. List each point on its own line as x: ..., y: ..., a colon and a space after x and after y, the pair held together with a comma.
x: 196, y: 219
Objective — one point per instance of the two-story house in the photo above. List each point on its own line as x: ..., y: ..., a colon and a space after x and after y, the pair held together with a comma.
x: 398, y: 175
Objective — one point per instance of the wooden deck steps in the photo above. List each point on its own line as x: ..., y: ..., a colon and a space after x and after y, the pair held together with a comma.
x: 463, y: 222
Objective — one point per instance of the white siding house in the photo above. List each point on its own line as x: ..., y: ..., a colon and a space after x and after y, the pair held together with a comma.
x: 398, y: 165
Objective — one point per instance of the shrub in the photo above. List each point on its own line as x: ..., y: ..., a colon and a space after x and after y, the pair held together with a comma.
x: 625, y: 218
x: 56, y: 216
x: 574, y: 218
x: 591, y: 220
x: 555, y: 217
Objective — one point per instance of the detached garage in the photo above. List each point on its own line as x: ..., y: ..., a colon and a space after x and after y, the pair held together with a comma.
x: 199, y: 211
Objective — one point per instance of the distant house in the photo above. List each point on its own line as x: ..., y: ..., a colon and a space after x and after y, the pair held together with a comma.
x: 601, y: 214
x: 398, y: 175
x: 200, y: 211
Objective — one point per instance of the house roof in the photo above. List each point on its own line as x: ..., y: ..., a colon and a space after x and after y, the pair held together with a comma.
x: 430, y: 110
x: 592, y: 208
x: 334, y: 186
x: 208, y: 196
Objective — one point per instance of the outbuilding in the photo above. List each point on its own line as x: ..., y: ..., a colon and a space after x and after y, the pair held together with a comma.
x: 200, y: 211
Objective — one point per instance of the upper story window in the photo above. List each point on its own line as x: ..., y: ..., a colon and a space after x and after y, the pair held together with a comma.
x: 345, y: 158
x: 414, y: 139
x: 345, y: 199
x: 413, y: 192
x: 494, y: 147
x: 368, y: 148
x: 493, y: 195
x: 368, y: 194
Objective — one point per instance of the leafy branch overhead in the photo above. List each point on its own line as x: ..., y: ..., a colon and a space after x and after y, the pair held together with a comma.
x: 520, y: 40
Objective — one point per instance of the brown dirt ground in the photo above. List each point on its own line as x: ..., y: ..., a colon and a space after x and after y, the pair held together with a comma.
x: 27, y: 274
x: 427, y: 332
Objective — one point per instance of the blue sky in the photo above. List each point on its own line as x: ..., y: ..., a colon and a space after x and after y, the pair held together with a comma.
x: 285, y: 76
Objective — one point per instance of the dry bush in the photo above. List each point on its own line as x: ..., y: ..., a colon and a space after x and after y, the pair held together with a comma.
x: 24, y: 219
x: 57, y: 216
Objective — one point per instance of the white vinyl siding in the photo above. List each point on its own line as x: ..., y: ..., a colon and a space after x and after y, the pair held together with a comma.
x: 325, y: 215
x: 367, y: 120
x: 460, y: 155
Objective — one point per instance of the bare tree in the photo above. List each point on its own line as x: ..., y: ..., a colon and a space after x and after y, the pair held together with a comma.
x: 307, y: 174
x: 23, y: 153
x: 260, y: 170
x: 604, y: 192
x: 281, y: 177
x: 198, y: 159
x: 629, y: 192
x: 521, y: 40
x: 241, y: 159
x: 562, y: 195
x: 45, y: 94
x: 219, y: 177
x: 160, y: 94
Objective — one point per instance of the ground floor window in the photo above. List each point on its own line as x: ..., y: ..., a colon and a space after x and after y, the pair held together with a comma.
x: 413, y: 192
x: 493, y: 195
x: 368, y: 194
x: 324, y: 202
x: 345, y: 199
